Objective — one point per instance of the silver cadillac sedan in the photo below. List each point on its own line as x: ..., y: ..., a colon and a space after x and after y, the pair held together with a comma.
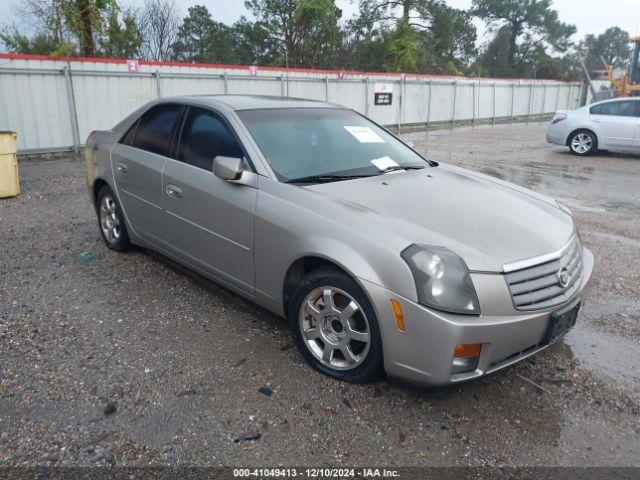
x: 381, y: 260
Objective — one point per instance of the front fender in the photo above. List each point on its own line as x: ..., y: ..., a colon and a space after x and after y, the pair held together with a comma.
x: 287, y: 230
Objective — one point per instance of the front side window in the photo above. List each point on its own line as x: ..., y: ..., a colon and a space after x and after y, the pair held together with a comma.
x: 204, y: 137
x: 155, y: 127
x: 626, y: 108
x: 303, y: 142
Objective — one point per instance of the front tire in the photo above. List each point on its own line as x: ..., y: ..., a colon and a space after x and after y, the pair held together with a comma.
x: 335, y: 328
x: 111, y: 221
x: 582, y: 143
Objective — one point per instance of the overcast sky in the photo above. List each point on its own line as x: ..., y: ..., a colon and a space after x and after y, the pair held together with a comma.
x: 589, y: 16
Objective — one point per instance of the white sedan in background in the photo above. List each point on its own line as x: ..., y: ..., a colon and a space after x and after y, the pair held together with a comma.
x: 607, y: 125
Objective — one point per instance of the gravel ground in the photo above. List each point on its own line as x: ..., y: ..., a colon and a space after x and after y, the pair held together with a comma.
x: 129, y: 359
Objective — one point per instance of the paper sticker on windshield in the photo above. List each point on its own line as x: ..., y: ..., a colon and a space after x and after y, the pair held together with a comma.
x: 364, y: 134
x: 384, y: 162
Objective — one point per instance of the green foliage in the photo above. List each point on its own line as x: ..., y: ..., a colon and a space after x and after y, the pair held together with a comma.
x: 402, y: 49
x: 412, y: 36
x: 612, y: 46
x: 415, y: 35
x: 524, y: 31
x: 201, y: 39
x: 122, y: 37
x: 254, y: 44
x: 306, y: 31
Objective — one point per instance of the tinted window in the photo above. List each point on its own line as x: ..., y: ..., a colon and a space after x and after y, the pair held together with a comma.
x: 155, y: 127
x: 621, y: 109
x: 204, y: 137
x: 128, y: 137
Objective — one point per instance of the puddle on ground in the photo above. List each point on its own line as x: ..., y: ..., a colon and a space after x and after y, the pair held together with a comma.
x: 606, y: 354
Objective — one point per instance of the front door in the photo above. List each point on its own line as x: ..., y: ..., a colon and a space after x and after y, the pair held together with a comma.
x: 209, y: 222
x: 615, y: 123
x: 137, y: 163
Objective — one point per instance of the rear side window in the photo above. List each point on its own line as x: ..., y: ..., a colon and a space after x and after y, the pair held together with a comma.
x: 621, y: 109
x: 204, y: 137
x: 155, y: 127
x: 127, y: 138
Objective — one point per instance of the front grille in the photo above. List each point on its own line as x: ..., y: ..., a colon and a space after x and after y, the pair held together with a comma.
x: 538, y: 287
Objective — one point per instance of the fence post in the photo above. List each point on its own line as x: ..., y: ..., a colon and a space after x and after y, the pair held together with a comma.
x: 473, y: 99
x: 570, y: 97
x: 366, y: 96
x: 282, y: 86
x: 557, y: 98
x: 399, y: 110
x: 326, y: 88
x: 455, y: 94
x: 544, y: 99
x: 226, y: 83
x: 494, y: 103
x: 158, y: 90
x: 403, y: 118
x: 531, y: 85
x: 513, y: 98
x: 73, y: 116
x: 429, y: 104
x: 580, y: 93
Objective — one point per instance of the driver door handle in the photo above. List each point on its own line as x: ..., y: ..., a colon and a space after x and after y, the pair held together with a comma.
x: 173, y: 191
x: 121, y: 167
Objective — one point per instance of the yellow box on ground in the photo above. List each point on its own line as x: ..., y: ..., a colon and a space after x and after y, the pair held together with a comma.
x: 9, y: 181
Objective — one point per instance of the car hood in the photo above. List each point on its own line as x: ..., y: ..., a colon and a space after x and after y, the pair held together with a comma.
x: 486, y: 221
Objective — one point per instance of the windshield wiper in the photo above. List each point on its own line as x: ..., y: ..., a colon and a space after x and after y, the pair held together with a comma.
x: 326, y: 178
x: 396, y: 168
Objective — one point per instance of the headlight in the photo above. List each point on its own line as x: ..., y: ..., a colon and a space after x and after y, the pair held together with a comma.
x: 442, y: 279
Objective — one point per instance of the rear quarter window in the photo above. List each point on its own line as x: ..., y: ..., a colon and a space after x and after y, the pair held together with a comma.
x: 155, y: 128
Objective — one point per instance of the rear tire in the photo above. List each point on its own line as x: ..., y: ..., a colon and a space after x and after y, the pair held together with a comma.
x: 335, y: 327
x: 582, y: 143
x: 111, y: 221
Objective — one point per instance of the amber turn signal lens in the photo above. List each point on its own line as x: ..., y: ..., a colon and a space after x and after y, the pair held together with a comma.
x: 468, y: 350
x: 397, y: 312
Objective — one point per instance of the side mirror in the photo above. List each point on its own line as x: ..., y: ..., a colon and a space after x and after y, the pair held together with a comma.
x: 228, y: 168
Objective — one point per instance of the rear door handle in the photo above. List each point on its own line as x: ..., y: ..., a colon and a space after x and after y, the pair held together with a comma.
x: 122, y: 168
x: 173, y: 191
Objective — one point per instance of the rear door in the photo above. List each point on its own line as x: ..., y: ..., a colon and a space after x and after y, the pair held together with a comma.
x: 209, y: 222
x: 137, y: 163
x: 615, y: 123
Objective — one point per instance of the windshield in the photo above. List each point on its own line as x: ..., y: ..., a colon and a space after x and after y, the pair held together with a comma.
x: 305, y: 142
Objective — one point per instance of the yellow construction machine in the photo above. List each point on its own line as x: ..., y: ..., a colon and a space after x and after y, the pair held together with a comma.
x: 628, y: 84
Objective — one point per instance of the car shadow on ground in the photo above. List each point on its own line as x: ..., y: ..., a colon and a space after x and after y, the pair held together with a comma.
x: 469, y: 388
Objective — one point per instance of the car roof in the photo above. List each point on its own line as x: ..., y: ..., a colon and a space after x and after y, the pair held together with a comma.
x: 617, y: 99
x: 253, y: 102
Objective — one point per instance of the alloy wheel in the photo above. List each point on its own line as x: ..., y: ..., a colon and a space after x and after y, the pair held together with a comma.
x: 109, y: 221
x: 582, y: 143
x: 335, y: 328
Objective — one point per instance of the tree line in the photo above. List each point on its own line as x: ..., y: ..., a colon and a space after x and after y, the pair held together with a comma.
x: 525, y: 38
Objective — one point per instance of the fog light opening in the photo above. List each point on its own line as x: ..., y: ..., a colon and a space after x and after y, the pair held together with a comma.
x: 397, y: 313
x: 465, y: 358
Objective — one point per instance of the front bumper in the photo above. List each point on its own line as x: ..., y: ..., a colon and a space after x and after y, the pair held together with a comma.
x: 423, y: 353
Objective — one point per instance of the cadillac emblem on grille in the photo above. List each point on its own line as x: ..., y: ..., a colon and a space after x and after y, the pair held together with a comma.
x: 552, y: 281
x: 563, y: 277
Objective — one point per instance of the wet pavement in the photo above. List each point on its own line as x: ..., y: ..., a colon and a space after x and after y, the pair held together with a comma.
x: 129, y: 359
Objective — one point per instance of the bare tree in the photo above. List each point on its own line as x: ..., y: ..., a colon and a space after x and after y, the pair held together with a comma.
x: 44, y: 17
x: 159, y: 21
